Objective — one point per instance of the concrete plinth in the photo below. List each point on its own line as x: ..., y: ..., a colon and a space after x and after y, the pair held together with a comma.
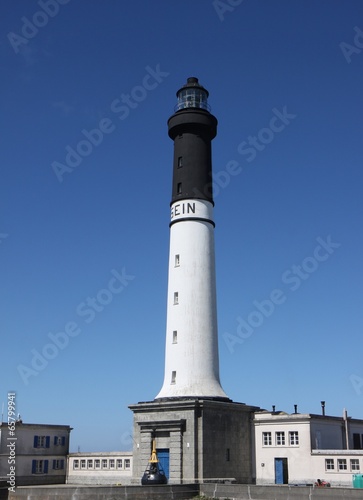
x: 204, y: 439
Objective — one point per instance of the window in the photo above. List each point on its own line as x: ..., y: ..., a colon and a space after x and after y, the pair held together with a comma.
x: 41, y: 441
x: 97, y: 463
x: 76, y: 464
x: 104, y: 463
x: 112, y: 463
x: 127, y: 463
x: 83, y: 464
x: 266, y: 439
x: 119, y: 463
x: 90, y: 464
x: 59, y: 441
x: 175, y: 337
x: 180, y: 161
x: 357, y: 445
x: 294, y: 438
x: 318, y: 440
x: 177, y: 260
x: 354, y: 464
x: 342, y: 464
x: 179, y: 188
x: 329, y: 464
x: 280, y: 438
x: 173, y: 377
x: 176, y: 298
x: 58, y: 464
x: 40, y: 467
x: 228, y: 455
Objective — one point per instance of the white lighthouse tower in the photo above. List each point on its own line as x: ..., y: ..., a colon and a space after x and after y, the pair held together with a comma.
x: 191, y: 355
x: 197, y: 432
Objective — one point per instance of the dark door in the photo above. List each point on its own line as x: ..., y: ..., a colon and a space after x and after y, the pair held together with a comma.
x: 281, y: 471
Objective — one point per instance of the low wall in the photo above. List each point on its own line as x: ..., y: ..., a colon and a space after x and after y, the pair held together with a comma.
x: 184, y: 492
x: 70, y: 492
x: 252, y: 492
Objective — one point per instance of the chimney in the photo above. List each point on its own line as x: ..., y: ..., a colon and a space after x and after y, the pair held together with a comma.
x: 295, y: 408
x: 323, y: 408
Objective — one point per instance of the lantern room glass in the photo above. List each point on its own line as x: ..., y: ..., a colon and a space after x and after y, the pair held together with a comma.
x: 192, y: 98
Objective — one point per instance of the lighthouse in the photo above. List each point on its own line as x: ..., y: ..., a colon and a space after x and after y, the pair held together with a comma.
x: 196, y: 432
x: 191, y: 352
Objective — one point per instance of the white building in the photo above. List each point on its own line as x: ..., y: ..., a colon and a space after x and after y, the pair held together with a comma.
x: 301, y: 448
x: 100, y: 468
x: 33, y: 453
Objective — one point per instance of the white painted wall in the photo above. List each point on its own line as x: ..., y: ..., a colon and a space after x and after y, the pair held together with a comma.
x: 194, y: 356
x: 305, y: 464
x: 90, y: 473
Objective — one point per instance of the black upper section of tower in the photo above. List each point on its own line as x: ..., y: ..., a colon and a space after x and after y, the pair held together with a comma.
x: 192, y: 128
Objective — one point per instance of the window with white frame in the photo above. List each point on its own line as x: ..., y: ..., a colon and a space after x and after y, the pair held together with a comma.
x: 112, y: 463
x: 127, y: 463
x: 342, y: 464
x: 119, y: 463
x: 104, y: 463
x: 329, y: 464
x: 176, y: 298
x: 280, y: 438
x: 58, y: 464
x: 75, y: 464
x: 354, y: 464
x: 97, y: 463
x: 89, y: 463
x: 59, y: 440
x: 293, y: 438
x: 39, y: 466
x: 266, y: 439
x: 41, y: 441
x: 177, y: 260
x: 83, y: 464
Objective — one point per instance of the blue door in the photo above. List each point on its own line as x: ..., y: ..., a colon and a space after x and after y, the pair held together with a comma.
x: 163, y: 456
x: 281, y: 472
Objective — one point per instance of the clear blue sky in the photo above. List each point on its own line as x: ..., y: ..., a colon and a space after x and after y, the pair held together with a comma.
x: 285, y: 81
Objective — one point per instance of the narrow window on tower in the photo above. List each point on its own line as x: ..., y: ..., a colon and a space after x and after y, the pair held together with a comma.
x: 228, y: 455
x: 180, y: 161
x: 179, y: 188
x: 176, y: 298
x: 173, y: 377
x: 175, y: 337
x: 177, y: 260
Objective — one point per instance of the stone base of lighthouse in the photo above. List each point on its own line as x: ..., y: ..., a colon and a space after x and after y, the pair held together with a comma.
x: 197, y: 440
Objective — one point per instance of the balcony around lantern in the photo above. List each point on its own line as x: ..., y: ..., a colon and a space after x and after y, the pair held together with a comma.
x: 192, y: 98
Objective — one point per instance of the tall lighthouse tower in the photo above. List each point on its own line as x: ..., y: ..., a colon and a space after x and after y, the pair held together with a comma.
x: 191, y: 355
x: 197, y: 432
